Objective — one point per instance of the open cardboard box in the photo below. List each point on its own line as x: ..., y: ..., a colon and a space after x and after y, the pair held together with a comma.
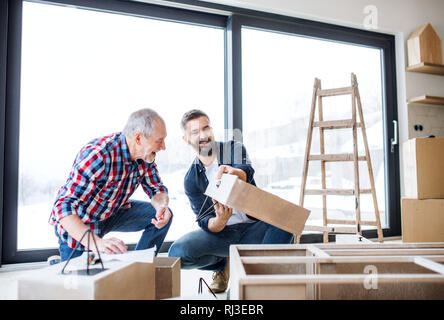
x: 119, y: 281
x: 258, y: 203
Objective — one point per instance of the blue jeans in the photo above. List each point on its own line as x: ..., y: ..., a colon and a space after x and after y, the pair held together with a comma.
x: 206, y: 250
x: 136, y: 218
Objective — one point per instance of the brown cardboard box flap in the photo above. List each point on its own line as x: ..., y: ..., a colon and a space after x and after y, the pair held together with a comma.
x: 258, y: 203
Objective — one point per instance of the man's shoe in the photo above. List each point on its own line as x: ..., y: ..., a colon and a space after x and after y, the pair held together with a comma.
x: 220, y: 280
x: 53, y: 260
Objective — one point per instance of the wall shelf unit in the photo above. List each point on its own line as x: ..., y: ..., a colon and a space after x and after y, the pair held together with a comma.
x: 430, y: 68
x: 426, y: 99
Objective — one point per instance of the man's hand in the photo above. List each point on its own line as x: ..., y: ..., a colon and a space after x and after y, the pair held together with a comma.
x: 111, y: 245
x: 76, y: 228
x: 230, y: 170
x: 223, y: 214
x: 163, y: 215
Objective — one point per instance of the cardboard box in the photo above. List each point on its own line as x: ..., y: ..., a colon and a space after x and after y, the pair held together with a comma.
x: 120, y: 280
x: 167, y: 277
x: 422, y: 220
x: 424, y: 168
x: 258, y: 203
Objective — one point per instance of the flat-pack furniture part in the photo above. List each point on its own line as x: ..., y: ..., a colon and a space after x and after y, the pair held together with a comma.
x: 167, y: 277
x: 422, y: 220
x: 120, y: 280
x: 258, y: 203
x: 332, y: 271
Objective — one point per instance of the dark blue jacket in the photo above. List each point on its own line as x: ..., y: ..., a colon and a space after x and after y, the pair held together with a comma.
x: 232, y: 153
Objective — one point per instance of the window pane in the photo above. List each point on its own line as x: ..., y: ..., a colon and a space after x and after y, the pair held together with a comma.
x: 278, y: 72
x: 83, y: 73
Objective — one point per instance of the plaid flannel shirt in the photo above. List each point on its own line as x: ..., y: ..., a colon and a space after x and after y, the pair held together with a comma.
x: 102, y: 179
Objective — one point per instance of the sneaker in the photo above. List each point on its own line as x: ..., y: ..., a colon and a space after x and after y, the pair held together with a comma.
x: 53, y: 260
x: 220, y: 280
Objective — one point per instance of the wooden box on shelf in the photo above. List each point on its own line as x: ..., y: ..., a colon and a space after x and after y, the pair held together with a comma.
x: 424, y: 46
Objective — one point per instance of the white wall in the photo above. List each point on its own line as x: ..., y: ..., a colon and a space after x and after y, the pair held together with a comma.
x: 398, y: 17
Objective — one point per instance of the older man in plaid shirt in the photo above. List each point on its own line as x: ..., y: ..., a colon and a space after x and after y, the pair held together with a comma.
x: 104, y: 175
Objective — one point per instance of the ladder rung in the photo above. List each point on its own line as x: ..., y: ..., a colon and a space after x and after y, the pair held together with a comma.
x: 336, y: 124
x: 335, y: 157
x: 338, y: 221
x: 335, y: 92
x: 331, y: 229
x: 335, y: 192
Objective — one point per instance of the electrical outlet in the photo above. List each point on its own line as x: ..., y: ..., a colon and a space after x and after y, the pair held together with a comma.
x: 418, y: 127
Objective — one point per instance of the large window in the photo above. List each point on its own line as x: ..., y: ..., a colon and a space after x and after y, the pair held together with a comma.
x: 278, y: 72
x: 83, y: 73
x: 73, y: 71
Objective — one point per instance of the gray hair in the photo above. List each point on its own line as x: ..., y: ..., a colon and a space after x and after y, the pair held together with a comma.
x: 143, y: 121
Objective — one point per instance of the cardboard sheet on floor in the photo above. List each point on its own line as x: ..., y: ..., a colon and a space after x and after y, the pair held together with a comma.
x: 258, y: 203
x: 121, y: 280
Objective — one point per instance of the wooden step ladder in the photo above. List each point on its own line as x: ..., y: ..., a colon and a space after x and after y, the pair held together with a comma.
x: 352, y: 123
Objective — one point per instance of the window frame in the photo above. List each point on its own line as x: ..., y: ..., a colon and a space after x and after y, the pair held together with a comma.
x: 323, y: 31
x: 196, y: 12
x: 11, y: 108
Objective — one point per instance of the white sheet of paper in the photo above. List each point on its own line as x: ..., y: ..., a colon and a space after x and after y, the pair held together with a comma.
x: 351, y: 238
x: 146, y: 256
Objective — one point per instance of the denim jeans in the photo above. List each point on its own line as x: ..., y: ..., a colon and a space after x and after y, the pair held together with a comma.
x: 136, y: 218
x: 207, y: 250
